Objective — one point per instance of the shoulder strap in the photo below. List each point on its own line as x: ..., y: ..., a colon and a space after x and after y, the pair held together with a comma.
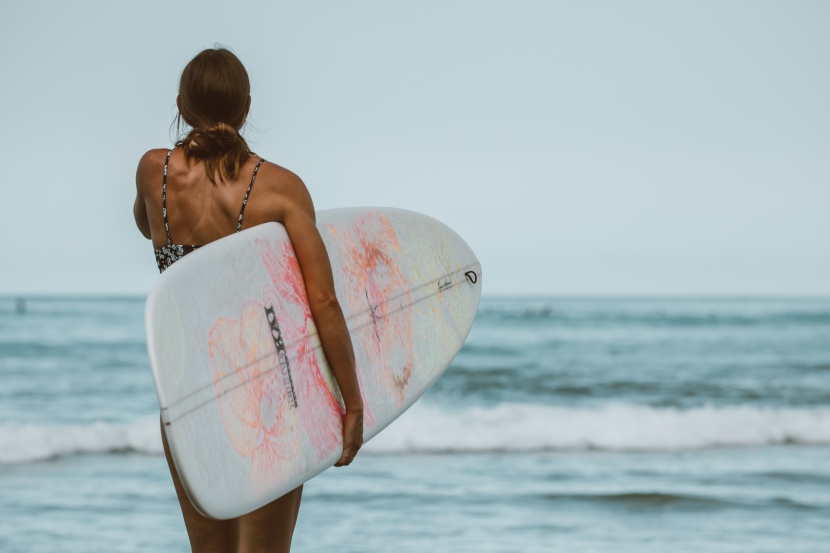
x: 164, y: 198
x: 245, y: 200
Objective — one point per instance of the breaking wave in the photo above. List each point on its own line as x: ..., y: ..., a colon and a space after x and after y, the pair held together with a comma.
x: 505, y: 428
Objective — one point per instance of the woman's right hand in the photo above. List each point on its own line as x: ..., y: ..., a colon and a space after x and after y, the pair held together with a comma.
x: 352, y: 436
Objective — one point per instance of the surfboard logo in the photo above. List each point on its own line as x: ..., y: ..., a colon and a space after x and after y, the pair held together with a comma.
x: 444, y: 283
x: 282, y: 358
x: 319, y: 412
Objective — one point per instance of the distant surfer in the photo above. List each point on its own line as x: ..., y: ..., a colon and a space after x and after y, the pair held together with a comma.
x: 210, y: 185
x: 20, y: 305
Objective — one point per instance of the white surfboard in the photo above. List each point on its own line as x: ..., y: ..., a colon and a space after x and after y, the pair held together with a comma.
x: 248, y: 403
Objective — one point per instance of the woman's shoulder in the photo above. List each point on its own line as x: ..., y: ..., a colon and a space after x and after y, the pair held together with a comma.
x: 281, y: 179
x: 156, y: 156
x: 286, y: 188
x: 151, y: 166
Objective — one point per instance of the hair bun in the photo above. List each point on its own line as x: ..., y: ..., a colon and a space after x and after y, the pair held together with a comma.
x: 219, y: 145
x: 221, y: 129
x: 213, y: 140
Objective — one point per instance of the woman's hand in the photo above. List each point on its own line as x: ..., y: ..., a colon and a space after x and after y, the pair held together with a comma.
x: 352, y: 436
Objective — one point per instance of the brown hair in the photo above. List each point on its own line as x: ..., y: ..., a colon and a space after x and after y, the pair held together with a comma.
x: 213, y: 100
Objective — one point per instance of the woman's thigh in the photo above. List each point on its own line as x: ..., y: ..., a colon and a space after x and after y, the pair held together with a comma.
x: 271, y: 527
x: 206, y: 534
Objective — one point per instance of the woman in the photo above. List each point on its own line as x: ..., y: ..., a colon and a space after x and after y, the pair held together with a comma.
x: 207, y: 187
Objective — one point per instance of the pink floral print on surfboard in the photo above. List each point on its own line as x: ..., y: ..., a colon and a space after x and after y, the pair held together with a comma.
x: 254, y: 411
x: 374, y: 283
x: 321, y: 413
x: 265, y: 408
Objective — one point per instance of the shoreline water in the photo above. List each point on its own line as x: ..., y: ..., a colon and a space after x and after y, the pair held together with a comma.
x: 752, y: 499
x: 564, y: 423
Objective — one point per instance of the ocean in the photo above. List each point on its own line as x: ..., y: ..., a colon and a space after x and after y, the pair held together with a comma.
x: 569, y: 424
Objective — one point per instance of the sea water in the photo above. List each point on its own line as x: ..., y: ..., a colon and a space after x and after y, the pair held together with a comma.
x: 565, y: 424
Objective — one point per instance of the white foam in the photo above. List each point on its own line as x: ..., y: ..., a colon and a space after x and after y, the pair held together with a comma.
x: 520, y: 427
x: 21, y: 443
x: 506, y: 427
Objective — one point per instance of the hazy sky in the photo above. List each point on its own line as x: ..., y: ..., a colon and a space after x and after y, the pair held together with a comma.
x: 578, y: 147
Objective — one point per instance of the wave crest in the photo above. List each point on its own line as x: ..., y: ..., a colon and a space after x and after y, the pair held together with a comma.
x: 506, y: 428
x: 518, y: 427
x: 20, y: 443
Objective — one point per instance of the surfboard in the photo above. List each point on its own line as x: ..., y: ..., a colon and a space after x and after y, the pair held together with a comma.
x: 248, y: 403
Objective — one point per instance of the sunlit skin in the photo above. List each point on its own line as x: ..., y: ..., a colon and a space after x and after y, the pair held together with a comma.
x: 200, y: 212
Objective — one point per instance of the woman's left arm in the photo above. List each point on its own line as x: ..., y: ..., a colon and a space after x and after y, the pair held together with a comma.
x: 139, y: 207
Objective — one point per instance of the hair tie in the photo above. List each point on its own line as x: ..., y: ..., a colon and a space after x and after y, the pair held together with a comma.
x: 222, y: 127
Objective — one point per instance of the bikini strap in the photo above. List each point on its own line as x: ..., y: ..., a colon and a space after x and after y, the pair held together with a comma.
x: 164, y: 198
x: 245, y: 200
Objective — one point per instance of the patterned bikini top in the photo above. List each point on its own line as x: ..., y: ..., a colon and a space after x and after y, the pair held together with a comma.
x: 169, y: 254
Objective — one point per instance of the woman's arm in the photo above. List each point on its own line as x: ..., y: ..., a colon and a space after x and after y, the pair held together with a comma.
x: 299, y: 220
x: 139, y: 207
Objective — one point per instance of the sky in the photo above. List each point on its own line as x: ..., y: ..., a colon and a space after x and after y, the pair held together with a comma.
x: 580, y: 148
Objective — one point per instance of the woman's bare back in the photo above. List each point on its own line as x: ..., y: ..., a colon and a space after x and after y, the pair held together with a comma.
x: 200, y: 211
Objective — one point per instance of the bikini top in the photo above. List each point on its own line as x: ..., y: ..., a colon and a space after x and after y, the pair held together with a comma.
x: 169, y: 254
